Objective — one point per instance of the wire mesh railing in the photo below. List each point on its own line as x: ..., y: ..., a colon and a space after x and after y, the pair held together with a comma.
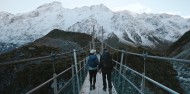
x: 70, y: 87
x: 64, y: 82
x: 127, y: 80
x: 70, y: 67
x: 69, y: 81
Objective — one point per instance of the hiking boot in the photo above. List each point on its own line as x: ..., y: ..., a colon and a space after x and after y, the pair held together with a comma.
x: 93, y: 87
x: 90, y: 87
x: 110, y: 91
x: 104, y: 89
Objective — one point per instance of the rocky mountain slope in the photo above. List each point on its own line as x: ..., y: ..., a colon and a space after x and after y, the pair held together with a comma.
x: 181, y: 49
x: 23, y: 77
x: 152, y: 30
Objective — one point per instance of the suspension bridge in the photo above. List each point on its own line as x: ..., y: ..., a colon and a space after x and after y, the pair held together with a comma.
x: 125, y: 80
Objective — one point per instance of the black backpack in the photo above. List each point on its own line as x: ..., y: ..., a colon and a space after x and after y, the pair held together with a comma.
x: 106, y: 60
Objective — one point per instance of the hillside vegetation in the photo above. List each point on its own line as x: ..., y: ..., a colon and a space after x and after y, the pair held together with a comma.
x: 20, y: 78
x: 181, y: 50
x: 178, y: 46
x: 28, y: 75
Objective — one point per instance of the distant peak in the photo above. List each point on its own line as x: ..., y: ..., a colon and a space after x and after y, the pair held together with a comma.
x: 166, y: 15
x: 54, y: 4
x: 101, y: 7
x: 5, y: 14
x: 127, y: 12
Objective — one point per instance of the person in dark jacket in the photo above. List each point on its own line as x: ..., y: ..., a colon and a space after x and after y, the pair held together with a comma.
x: 92, y: 65
x: 106, y: 67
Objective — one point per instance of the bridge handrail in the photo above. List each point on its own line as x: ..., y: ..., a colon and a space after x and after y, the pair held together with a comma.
x: 34, y: 59
x: 51, y: 79
x: 46, y: 82
x: 113, y: 48
x: 149, y: 79
x: 159, y: 57
x: 129, y: 82
x: 46, y: 57
x: 151, y: 56
x: 71, y: 78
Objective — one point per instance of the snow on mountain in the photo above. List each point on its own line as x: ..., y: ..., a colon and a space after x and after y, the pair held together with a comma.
x: 139, y: 29
x: 4, y: 47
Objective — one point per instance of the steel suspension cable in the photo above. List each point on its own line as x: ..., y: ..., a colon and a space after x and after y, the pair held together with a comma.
x: 71, y: 79
x: 149, y: 79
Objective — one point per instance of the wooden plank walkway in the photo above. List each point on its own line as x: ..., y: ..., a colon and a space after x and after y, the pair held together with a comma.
x: 99, y: 86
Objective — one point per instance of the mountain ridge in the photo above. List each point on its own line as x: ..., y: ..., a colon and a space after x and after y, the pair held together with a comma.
x: 141, y: 29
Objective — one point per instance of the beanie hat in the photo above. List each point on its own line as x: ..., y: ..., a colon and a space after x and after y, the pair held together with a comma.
x: 92, y: 51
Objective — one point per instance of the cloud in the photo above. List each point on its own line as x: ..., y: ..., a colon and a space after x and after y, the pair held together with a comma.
x: 137, y: 8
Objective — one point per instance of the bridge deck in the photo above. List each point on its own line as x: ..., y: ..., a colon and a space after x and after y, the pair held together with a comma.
x: 99, y: 86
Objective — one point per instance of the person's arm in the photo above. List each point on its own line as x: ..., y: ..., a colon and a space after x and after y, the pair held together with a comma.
x: 112, y: 62
x: 100, y: 63
x: 87, y: 62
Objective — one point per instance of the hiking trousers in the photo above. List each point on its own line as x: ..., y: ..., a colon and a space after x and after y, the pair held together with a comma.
x: 106, y: 73
x: 92, y: 74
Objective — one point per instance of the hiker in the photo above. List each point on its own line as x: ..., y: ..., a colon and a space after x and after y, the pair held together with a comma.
x: 92, y: 64
x: 106, y: 67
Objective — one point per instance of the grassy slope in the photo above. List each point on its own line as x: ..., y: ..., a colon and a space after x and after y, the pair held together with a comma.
x: 81, y: 38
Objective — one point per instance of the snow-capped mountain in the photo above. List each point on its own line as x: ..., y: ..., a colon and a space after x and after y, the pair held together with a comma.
x: 138, y: 29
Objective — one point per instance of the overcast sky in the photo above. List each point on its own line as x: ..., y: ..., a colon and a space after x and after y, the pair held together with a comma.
x: 177, y: 7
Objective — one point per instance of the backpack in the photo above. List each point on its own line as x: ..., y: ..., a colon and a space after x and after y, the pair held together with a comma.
x: 106, y: 60
x: 93, y: 61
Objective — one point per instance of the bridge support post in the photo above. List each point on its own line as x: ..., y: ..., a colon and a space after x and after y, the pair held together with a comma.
x: 84, y: 63
x: 73, y: 81
x: 102, y: 43
x: 90, y: 46
x: 123, y: 82
x: 115, y: 72
x: 120, y: 69
x: 93, y: 38
x: 143, y: 84
x: 55, y: 84
x: 80, y: 72
x: 124, y: 73
x: 121, y: 61
x: 53, y: 58
x: 143, y: 79
x: 76, y: 69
